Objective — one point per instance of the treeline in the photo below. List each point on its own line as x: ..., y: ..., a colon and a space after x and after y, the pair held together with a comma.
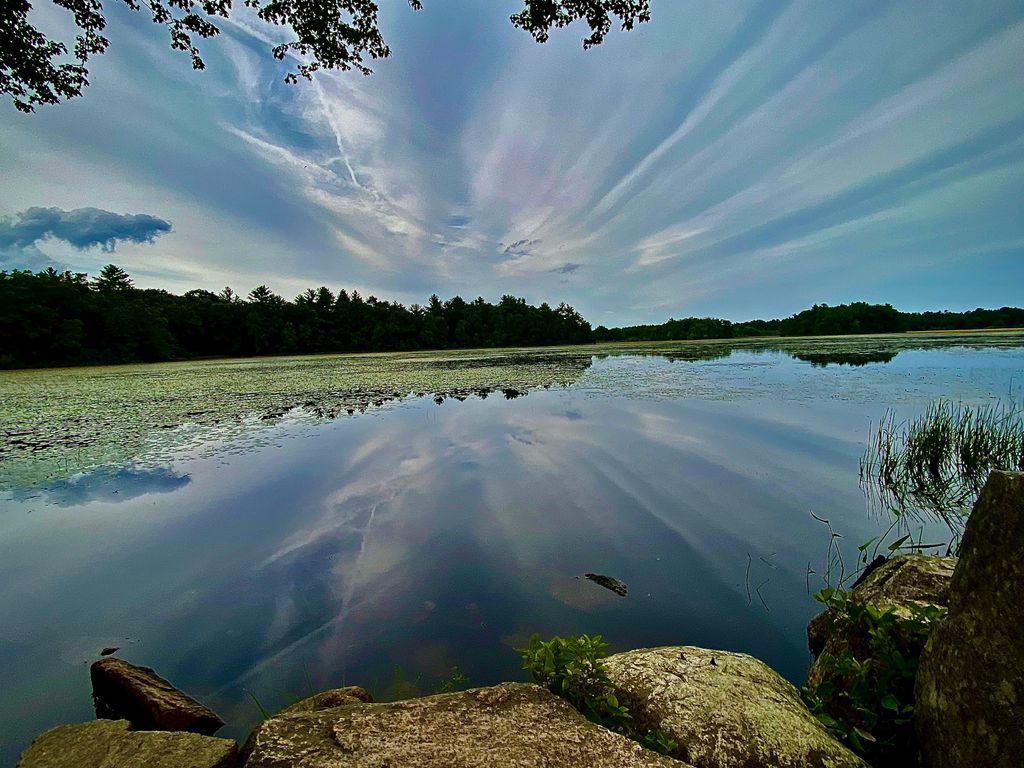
x: 820, y: 320
x: 64, y: 318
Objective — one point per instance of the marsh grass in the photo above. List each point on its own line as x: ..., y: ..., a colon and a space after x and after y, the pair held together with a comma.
x: 935, y: 465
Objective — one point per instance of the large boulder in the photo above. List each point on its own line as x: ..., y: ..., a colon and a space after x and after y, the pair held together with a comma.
x: 513, y: 725
x: 970, y: 685
x: 899, y: 583
x: 139, y: 695
x: 724, y: 710
x: 109, y: 744
x: 336, y: 697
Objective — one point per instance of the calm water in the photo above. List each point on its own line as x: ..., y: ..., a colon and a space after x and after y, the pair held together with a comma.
x: 216, y: 523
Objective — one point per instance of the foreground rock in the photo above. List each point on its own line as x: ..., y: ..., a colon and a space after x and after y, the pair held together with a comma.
x: 336, y: 697
x: 109, y: 744
x: 725, y: 710
x: 899, y: 583
x: 139, y: 695
x: 511, y: 725
x: 970, y: 685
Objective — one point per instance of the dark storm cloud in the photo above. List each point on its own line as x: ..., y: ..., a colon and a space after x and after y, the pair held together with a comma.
x: 81, y: 228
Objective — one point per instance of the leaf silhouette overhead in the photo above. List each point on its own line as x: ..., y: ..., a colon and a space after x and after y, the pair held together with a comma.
x: 340, y: 35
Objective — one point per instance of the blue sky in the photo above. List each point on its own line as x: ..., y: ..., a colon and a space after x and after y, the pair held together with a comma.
x: 738, y: 159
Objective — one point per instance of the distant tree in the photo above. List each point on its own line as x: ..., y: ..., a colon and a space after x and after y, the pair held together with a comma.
x: 112, y: 278
x: 261, y: 294
x: 306, y: 298
x: 198, y: 294
x: 324, y: 299
x: 331, y: 34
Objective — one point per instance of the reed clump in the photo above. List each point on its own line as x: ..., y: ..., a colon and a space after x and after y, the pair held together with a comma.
x: 936, y: 464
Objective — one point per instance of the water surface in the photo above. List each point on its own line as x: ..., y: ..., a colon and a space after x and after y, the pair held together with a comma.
x: 228, y: 523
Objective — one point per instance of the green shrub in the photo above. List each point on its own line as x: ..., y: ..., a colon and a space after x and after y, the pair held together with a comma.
x: 572, y: 667
x: 866, y: 698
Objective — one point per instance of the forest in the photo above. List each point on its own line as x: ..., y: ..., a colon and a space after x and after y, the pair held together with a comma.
x: 64, y: 318
x: 53, y: 318
x: 820, y: 320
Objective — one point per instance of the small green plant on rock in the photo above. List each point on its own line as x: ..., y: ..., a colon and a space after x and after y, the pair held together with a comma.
x: 572, y: 667
x: 455, y: 681
x: 866, y: 696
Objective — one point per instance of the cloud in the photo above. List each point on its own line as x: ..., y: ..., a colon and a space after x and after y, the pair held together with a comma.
x: 81, y: 228
x: 522, y: 247
x: 112, y: 485
x: 738, y: 159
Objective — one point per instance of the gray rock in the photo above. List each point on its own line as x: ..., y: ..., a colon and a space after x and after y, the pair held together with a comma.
x: 335, y: 697
x: 725, y: 710
x: 139, y: 695
x: 109, y: 744
x: 513, y: 725
x: 970, y: 685
x: 899, y: 583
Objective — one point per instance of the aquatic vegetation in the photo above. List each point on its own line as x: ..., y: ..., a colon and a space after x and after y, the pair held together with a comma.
x: 55, y: 423
x: 937, y: 463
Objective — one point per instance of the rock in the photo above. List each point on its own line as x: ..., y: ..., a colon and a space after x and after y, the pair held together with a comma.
x: 124, y: 691
x: 725, y: 710
x: 78, y: 746
x: 165, y: 749
x: 904, y: 581
x: 608, y: 582
x: 870, y: 568
x: 970, y: 685
x: 335, y: 697
x: 109, y: 744
x: 513, y: 725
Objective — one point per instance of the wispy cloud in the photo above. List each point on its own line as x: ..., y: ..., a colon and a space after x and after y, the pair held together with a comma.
x: 735, y: 158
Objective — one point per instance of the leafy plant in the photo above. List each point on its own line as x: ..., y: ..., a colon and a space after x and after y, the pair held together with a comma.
x: 572, y: 667
x: 658, y: 741
x: 866, y: 696
x: 455, y: 681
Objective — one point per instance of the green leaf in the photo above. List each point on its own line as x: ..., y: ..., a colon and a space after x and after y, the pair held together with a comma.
x: 825, y: 689
x: 890, y: 702
x: 898, y: 543
x: 827, y: 720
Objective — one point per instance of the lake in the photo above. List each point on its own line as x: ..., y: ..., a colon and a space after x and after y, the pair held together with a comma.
x: 272, y: 527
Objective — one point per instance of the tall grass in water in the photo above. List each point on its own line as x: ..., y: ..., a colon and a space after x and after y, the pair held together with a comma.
x: 937, y: 463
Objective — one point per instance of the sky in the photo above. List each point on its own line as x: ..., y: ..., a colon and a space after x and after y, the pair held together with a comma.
x: 730, y: 158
